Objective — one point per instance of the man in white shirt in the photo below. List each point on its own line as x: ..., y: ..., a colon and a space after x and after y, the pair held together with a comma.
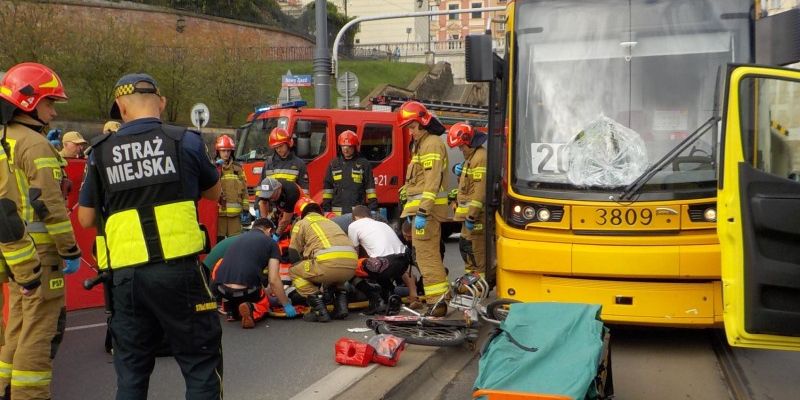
x: 388, y: 260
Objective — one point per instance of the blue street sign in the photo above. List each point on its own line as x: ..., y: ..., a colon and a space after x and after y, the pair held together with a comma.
x: 296, y: 81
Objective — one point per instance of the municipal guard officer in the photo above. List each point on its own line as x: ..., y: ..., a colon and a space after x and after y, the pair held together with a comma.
x: 284, y: 164
x: 321, y: 254
x: 426, y: 197
x: 36, y: 296
x: 471, y: 192
x: 234, y: 206
x: 348, y: 180
x: 141, y: 189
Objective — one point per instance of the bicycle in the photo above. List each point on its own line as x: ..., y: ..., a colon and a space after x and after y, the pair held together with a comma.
x: 466, y: 295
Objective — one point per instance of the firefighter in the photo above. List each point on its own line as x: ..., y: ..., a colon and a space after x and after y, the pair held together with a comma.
x: 234, y: 208
x: 141, y: 190
x: 36, y: 299
x: 284, y: 164
x: 321, y: 254
x: 471, y: 192
x: 281, y: 195
x: 348, y: 180
x: 426, y: 202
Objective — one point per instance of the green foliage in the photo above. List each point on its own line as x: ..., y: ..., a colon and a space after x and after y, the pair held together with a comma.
x: 336, y: 21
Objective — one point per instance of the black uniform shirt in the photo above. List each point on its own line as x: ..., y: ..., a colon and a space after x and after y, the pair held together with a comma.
x: 246, y: 258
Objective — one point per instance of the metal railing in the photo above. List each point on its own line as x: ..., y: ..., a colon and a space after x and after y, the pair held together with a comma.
x: 236, y: 53
x: 408, y: 49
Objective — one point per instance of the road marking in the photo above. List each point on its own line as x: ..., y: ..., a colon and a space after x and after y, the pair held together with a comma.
x: 81, y: 327
x: 334, y: 383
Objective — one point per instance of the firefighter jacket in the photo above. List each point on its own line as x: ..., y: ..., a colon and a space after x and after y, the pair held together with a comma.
x: 425, y: 180
x: 233, y: 199
x: 148, y: 217
x: 348, y: 183
x: 472, y: 186
x: 291, y: 169
x: 322, y: 240
x: 39, y: 175
x: 17, y: 253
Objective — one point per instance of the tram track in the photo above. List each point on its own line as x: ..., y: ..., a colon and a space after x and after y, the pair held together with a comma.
x: 732, y: 372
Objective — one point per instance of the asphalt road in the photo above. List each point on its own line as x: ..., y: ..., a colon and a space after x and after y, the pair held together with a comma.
x: 276, y: 360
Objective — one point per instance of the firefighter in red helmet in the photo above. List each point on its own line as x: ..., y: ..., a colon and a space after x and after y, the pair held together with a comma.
x: 284, y: 164
x: 348, y: 180
x: 471, y: 194
x: 36, y: 296
x: 426, y: 204
x: 234, y: 207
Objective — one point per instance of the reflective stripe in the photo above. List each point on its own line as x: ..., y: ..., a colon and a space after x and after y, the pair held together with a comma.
x: 419, y: 158
x: 337, y: 210
x: 300, y: 282
x: 372, y: 195
x: 286, y: 177
x: 461, y: 210
x: 41, y: 238
x: 36, y: 226
x: 335, y: 248
x: 349, y: 255
x: 20, y: 256
x: 327, y: 194
x: 322, y: 237
x: 234, y: 206
x: 436, y: 289
x: 476, y: 204
x: 47, y: 162
x: 59, y: 228
x: 5, y: 370
x: 230, y: 176
x: 102, y: 252
x: 30, y: 378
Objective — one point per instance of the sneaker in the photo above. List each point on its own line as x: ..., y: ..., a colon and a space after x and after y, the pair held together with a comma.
x: 229, y: 317
x: 437, y: 310
x: 247, y: 316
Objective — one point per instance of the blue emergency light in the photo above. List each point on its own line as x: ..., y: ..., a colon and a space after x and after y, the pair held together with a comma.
x: 291, y: 104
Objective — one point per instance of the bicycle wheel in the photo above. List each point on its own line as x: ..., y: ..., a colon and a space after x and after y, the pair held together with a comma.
x: 440, y: 336
x: 498, y: 309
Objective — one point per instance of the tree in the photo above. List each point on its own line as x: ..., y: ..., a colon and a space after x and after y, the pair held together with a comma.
x: 28, y: 32
x: 231, y: 82
x: 336, y: 21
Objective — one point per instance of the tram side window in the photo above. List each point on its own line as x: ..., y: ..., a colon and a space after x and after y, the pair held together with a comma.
x: 311, y: 137
x: 376, y: 143
x: 773, y: 124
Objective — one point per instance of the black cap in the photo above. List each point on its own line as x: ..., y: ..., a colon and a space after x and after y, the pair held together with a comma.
x: 127, y: 85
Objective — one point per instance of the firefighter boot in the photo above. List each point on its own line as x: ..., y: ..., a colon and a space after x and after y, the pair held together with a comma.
x: 339, y: 304
x: 317, y: 311
x: 373, y: 293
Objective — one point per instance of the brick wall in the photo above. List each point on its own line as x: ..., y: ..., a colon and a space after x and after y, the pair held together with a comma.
x: 198, y: 30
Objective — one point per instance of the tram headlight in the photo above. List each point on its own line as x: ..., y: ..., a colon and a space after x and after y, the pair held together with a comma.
x: 528, y: 213
x: 543, y: 214
x: 710, y: 214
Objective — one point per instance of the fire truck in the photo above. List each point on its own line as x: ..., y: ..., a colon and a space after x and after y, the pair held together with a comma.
x: 383, y: 143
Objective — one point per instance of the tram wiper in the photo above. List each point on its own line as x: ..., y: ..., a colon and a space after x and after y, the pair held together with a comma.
x: 637, y: 185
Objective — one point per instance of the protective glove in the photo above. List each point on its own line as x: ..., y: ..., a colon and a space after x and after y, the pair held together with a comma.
x: 275, y: 237
x: 420, y: 221
x: 71, y: 266
x: 288, y: 308
x: 258, y: 212
x: 220, y: 161
x: 55, y: 142
x: 458, y: 168
x: 53, y: 134
x: 245, y: 217
x: 470, y: 225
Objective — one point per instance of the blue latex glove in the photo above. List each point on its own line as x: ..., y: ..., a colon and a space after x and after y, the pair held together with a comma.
x: 244, y: 217
x: 55, y: 142
x: 470, y: 225
x: 288, y: 308
x: 72, y: 265
x: 258, y: 212
x: 53, y: 134
x: 458, y: 168
x: 220, y: 161
x: 275, y: 237
x: 420, y: 221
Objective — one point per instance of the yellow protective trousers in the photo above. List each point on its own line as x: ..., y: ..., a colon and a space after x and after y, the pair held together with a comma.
x: 229, y: 226
x: 476, y: 260
x: 429, y: 260
x: 309, y: 275
x: 34, y: 332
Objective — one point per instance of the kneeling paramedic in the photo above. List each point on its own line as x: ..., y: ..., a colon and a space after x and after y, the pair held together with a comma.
x: 36, y: 318
x: 239, y: 277
x: 471, y: 192
x: 145, y: 180
x: 281, y: 196
x: 322, y: 255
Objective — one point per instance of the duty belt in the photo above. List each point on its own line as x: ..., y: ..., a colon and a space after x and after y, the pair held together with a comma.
x: 336, y: 252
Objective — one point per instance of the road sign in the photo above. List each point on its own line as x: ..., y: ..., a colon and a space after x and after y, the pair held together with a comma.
x: 200, y: 115
x: 347, y: 84
x: 290, y: 80
x: 353, y: 102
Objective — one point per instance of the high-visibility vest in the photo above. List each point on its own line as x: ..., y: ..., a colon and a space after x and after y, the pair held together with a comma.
x: 150, y: 219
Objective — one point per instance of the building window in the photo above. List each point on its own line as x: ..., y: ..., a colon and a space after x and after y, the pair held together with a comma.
x: 452, y: 7
x: 476, y: 14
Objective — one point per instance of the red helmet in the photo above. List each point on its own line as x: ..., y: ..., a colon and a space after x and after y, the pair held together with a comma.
x: 301, y: 205
x: 24, y: 85
x: 348, y: 138
x: 225, y: 142
x: 412, y: 111
x: 460, y: 133
x: 279, y: 136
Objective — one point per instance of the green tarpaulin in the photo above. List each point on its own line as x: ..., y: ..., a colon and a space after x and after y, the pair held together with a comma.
x: 544, y: 348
